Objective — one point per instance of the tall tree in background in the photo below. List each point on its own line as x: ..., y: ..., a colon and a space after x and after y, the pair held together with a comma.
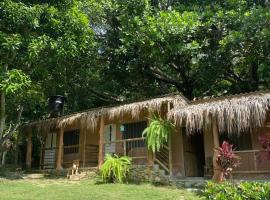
x: 100, y: 52
x: 197, y: 48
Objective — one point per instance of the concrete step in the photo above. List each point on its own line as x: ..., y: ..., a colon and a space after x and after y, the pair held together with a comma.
x: 188, y: 182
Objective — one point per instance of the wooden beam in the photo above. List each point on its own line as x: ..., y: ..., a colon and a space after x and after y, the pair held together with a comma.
x: 29, y: 149
x: 218, y: 174
x: 170, y: 155
x: 101, y: 142
x: 84, y: 145
x: 60, y: 150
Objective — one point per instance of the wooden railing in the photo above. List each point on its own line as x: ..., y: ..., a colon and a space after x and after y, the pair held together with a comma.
x: 90, y: 155
x: 162, y: 158
x: 250, y: 164
x: 71, y: 149
x: 48, y: 157
x: 134, y: 147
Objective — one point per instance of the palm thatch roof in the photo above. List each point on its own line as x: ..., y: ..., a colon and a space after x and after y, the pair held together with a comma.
x: 233, y: 114
x: 155, y: 104
x: 90, y: 119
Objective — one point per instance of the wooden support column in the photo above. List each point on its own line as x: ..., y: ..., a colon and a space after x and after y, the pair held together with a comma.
x: 60, y: 150
x: 84, y: 147
x: 150, y: 153
x: 170, y: 155
x: 101, y: 142
x: 29, y: 149
x: 150, y: 158
x: 218, y: 174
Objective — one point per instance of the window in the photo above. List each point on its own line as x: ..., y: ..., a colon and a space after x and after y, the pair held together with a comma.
x: 134, y: 130
x: 240, y: 142
x: 71, y: 142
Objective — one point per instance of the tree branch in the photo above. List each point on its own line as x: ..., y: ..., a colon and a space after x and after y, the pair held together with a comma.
x: 158, y: 74
x: 105, y: 96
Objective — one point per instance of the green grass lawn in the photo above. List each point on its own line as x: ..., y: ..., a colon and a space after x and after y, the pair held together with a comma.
x: 56, y: 189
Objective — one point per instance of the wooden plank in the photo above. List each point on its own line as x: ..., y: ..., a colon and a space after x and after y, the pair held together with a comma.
x: 162, y: 165
x: 250, y: 172
x: 29, y: 149
x: 170, y: 155
x: 60, y: 150
x: 125, y: 140
x: 217, y: 170
x: 101, y: 142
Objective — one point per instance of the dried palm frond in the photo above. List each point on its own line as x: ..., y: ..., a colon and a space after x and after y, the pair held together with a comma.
x: 134, y: 109
x: 234, y: 114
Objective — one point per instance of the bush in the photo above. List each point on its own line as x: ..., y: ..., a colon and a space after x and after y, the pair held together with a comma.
x: 157, y: 133
x: 241, y: 191
x: 226, y: 159
x: 115, y: 169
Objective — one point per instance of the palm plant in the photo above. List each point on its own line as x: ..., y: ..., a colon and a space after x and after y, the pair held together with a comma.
x: 115, y: 168
x: 157, y: 133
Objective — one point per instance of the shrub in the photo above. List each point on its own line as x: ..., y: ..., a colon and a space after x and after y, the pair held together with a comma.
x: 242, y: 191
x: 115, y: 169
x: 157, y: 133
x: 226, y: 158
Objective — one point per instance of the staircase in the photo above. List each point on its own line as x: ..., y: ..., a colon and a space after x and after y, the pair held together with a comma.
x: 163, y: 159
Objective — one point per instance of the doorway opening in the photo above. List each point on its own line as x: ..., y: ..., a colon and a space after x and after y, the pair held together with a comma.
x: 194, y: 157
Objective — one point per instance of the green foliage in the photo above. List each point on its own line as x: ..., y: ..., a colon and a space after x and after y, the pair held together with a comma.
x: 241, y: 191
x: 157, y: 133
x: 13, y: 81
x: 115, y: 169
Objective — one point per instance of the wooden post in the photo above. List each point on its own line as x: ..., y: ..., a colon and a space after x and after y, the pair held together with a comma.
x: 170, y: 154
x: 125, y: 148
x: 218, y: 175
x: 41, y: 155
x: 101, y: 143
x: 60, y: 150
x: 84, y: 148
x: 29, y: 149
x: 170, y: 144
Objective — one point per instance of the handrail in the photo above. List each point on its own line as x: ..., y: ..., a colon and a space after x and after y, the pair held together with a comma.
x: 71, y: 146
x: 125, y: 140
x: 162, y: 165
x: 247, y: 151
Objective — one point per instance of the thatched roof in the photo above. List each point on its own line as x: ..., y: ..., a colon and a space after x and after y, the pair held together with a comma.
x: 89, y: 119
x: 234, y: 114
x: 155, y: 104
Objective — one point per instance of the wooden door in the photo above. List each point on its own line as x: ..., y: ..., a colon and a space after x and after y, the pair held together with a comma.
x: 109, y: 137
x: 194, y: 159
x: 50, y: 151
x: 190, y: 156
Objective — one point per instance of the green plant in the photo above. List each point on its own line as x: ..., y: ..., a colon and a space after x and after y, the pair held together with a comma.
x: 157, y: 133
x: 264, y: 154
x: 241, y: 191
x: 226, y: 158
x: 115, y: 169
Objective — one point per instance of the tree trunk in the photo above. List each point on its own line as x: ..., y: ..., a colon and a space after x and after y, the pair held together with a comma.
x: 2, y: 114
x: 254, y: 79
x: 3, y: 162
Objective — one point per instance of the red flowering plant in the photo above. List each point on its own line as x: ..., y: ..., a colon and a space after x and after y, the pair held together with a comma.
x: 264, y: 154
x: 226, y: 158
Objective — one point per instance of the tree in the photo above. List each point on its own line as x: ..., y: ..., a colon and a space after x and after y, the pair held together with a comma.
x: 197, y: 48
x: 12, y: 82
